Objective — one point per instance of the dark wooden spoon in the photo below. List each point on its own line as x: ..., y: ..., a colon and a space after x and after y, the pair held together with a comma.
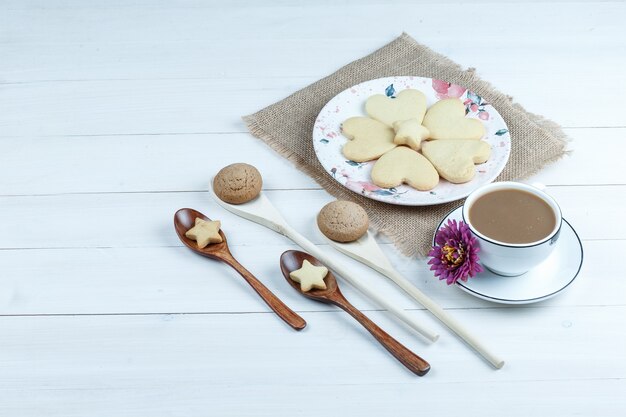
x: 292, y: 260
x: 185, y: 218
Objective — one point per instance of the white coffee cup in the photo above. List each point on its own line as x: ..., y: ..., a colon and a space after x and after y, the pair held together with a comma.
x: 511, y: 259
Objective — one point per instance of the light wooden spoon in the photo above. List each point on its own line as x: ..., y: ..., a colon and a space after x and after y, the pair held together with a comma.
x: 262, y: 211
x: 368, y: 252
x: 292, y: 260
x: 184, y: 220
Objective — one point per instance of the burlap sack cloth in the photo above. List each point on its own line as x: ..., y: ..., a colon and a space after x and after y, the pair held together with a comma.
x: 287, y: 127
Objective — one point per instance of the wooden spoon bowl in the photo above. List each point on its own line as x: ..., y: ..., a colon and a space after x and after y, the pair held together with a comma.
x: 185, y: 219
x: 293, y: 259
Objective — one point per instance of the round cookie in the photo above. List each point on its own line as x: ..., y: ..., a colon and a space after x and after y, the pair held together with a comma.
x: 237, y: 183
x: 343, y: 221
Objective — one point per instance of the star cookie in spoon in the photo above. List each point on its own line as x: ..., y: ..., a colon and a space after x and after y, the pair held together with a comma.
x: 309, y: 276
x: 205, y: 232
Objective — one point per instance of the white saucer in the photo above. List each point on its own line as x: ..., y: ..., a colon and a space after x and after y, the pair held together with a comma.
x: 544, y: 281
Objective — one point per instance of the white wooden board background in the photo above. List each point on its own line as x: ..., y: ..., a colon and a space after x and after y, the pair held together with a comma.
x: 113, y: 114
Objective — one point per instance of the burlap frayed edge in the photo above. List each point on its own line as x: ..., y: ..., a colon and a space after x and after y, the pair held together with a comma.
x: 498, y: 99
x: 467, y: 77
x: 326, y: 182
x: 257, y: 131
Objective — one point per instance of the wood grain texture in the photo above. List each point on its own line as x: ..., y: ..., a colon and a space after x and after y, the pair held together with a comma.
x: 113, y: 115
x: 262, y: 211
x: 184, y: 220
x: 182, y: 364
x: 144, y: 213
x: 367, y: 251
x: 149, y: 280
x: 48, y: 157
x: 293, y: 259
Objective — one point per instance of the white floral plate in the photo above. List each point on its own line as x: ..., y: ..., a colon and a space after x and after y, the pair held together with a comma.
x: 544, y: 281
x: 328, y: 140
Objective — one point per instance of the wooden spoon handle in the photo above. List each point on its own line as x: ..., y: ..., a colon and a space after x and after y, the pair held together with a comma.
x: 444, y: 317
x: 369, y: 292
x: 409, y: 359
x: 288, y: 315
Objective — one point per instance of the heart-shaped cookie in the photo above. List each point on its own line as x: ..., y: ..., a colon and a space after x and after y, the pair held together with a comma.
x: 455, y: 159
x: 408, y: 104
x: 404, y: 165
x: 369, y: 139
x: 410, y: 132
x: 446, y: 120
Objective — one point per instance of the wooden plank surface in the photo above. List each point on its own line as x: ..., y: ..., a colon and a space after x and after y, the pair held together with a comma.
x: 144, y: 219
x: 144, y: 162
x: 170, y: 280
x: 181, y: 361
x: 115, y: 114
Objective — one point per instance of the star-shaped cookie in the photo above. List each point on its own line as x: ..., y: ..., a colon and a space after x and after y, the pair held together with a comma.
x: 410, y: 132
x: 310, y: 276
x: 205, y: 232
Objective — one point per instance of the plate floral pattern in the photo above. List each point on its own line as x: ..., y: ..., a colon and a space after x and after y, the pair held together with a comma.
x: 328, y: 140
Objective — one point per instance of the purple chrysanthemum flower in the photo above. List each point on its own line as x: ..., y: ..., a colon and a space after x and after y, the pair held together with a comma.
x: 455, y: 253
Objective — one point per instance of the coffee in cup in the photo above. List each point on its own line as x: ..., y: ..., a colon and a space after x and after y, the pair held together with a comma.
x: 516, y: 226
